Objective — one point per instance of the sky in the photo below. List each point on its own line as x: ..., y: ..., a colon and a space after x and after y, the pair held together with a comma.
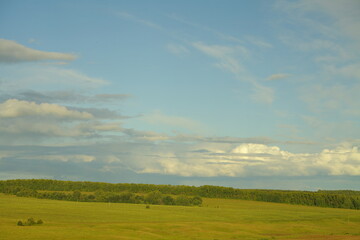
x: 245, y: 94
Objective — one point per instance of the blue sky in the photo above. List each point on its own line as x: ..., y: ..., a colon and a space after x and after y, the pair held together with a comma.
x: 248, y: 94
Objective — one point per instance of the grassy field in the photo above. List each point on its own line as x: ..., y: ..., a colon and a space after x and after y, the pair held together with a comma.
x: 217, y: 219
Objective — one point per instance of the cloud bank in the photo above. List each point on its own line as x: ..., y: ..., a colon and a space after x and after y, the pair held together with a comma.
x: 256, y: 160
x: 14, y: 108
x: 12, y: 52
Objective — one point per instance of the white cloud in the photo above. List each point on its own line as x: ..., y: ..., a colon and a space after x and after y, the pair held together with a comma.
x: 177, y: 49
x: 351, y: 71
x: 278, y: 76
x: 255, y: 160
x: 262, y: 94
x: 67, y: 158
x: 226, y: 56
x: 25, y: 122
x: 200, y: 27
x: 339, y: 98
x: 136, y: 19
x: 343, y: 160
x: 260, y: 43
x: 329, y: 25
x: 113, y: 126
x: 145, y: 135
x: 68, y: 75
x: 13, y: 108
x: 10, y: 51
x: 30, y: 130
x: 228, y: 60
x: 159, y: 118
x: 51, y: 78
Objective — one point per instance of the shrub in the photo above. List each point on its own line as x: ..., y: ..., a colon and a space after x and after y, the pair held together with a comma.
x: 182, y: 200
x: 196, y: 201
x: 30, y: 222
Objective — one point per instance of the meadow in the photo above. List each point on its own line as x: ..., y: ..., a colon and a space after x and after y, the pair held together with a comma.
x: 216, y: 219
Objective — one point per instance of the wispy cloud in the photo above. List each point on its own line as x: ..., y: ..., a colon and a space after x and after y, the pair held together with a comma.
x: 159, y: 118
x: 278, y: 76
x: 229, y: 60
x: 217, y: 33
x: 14, y: 108
x: 258, y: 42
x: 226, y: 55
x: 12, y: 52
x: 64, y: 96
x: 177, y: 49
x: 46, y: 77
x: 141, y: 21
x: 263, y: 94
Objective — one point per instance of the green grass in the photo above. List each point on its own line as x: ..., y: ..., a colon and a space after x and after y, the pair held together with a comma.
x: 217, y: 219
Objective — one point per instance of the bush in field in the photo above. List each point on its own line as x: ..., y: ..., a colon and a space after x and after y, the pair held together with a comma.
x: 30, y: 222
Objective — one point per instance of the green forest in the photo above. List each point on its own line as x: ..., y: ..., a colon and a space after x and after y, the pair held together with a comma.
x: 170, y: 194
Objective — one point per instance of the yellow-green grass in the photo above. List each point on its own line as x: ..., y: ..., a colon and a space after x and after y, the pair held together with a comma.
x: 217, y: 219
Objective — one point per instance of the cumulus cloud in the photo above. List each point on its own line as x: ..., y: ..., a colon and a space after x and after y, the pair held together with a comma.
x: 343, y: 160
x: 195, y: 160
x: 12, y: 52
x: 257, y: 160
x: 23, y: 122
x: 13, y: 108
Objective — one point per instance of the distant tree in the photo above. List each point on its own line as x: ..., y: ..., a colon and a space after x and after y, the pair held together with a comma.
x: 39, y: 221
x: 182, y: 200
x: 76, y: 195
x: 154, y: 197
x: 20, y: 223
x: 197, y: 201
x: 168, y: 200
x: 139, y: 199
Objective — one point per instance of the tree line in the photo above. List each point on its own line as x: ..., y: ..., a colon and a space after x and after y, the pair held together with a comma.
x: 172, y: 194
x: 154, y: 197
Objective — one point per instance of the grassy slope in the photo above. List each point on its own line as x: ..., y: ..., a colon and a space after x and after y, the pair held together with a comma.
x: 217, y: 219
